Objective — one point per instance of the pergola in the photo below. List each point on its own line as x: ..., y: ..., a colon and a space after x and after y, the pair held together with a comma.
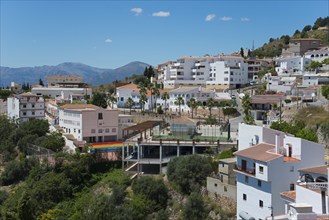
x: 141, y: 127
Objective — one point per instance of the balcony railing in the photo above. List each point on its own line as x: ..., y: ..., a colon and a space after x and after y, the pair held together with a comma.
x: 244, y: 170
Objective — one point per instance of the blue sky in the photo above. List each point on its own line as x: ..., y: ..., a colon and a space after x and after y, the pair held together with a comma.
x: 109, y: 34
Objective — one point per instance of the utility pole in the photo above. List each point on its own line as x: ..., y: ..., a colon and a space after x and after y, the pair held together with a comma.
x: 280, y: 110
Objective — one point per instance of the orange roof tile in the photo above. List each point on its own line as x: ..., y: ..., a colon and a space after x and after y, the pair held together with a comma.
x: 261, y: 152
x: 128, y: 86
x: 291, y: 195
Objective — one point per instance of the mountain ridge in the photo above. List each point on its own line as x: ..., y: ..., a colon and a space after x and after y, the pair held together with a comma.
x: 91, y: 75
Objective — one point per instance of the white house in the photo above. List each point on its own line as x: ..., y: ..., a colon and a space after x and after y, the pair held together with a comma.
x: 200, y: 94
x: 310, y: 79
x: 281, y: 84
x: 25, y: 107
x: 318, y: 55
x: 123, y: 93
x: 291, y: 64
x: 89, y: 122
x: 267, y: 164
x: 64, y: 93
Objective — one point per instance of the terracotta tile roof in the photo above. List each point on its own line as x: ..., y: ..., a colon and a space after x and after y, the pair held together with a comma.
x: 136, y: 91
x: 290, y: 159
x: 318, y: 170
x: 183, y: 120
x: 128, y: 86
x: 261, y: 152
x: 79, y: 106
x: 290, y: 195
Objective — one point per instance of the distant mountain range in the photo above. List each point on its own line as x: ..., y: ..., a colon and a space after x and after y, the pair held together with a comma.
x: 91, y: 75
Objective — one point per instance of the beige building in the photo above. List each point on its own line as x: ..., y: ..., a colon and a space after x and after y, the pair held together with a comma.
x: 224, y: 182
x: 89, y: 122
x: 65, y: 81
x: 298, y: 47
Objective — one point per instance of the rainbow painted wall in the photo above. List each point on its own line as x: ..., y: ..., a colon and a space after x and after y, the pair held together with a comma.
x: 106, y: 146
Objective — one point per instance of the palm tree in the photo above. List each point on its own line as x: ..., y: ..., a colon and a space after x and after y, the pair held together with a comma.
x: 150, y: 86
x: 210, y: 104
x: 193, y: 105
x: 179, y: 101
x: 130, y: 102
x: 165, y: 97
x: 156, y: 93
x: 246, y: 106
x: 110, y: 99
x: 143, y: 95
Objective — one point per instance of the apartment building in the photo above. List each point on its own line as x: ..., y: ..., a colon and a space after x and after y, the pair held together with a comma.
x: 25, y: 107
x: 89, y: 122
x: 256, y: 65
x: 224, y: 181
x: 218, y: 72
x: 65, y: 81
x: 267, y: 164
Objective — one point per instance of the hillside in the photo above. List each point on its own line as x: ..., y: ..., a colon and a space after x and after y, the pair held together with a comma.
x: 273, y: 47
x: 91, y: 75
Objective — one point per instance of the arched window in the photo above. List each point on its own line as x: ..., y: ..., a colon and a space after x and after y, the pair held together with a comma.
x: 321, y: 179
x: 307, y: 178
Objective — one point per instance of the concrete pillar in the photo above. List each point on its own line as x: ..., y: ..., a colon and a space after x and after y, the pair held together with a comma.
x: 160, y: 154
x: 193, y: 147
x: 123, y: 157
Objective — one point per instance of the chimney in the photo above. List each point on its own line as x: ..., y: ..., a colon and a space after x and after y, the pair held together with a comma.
x: 277, y: 143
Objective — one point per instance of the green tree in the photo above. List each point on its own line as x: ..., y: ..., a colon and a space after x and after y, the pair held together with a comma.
x: 189, y: 172
x: 210, y: 104
x: 153, y: 189
x: 54, y: 142
x: 179, y: 101
x: 130, y: 102
x: 314, y: 65
x: 165, y: 97
x: 307, y: 134
x: 194, y: 208
x: 193, y: 104
x: 307, y: 28
x: 296, y: 32
x: 156, y: 93
x: 41, y: 82
x: 4, y: 93
x: 246, y: 106
x: 325, y: 91
x: 38, y: 127
x: 143, y: 95
x: 241, y: 52
x: 324, y: 129
x: 99, y: 99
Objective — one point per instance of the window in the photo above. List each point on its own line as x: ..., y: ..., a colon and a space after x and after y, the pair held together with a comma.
x: 100, y: 130
x: 32, y: 105
x: 24, y: 113
x: 244, y: 197
x: 79, y: 131
x: 24, y: 106
x: 100, y: 116
x: 215, y: 184
x: 114, y: 129
x: 225, y: 188
x: 93, y: 131
x: 292, y: 187
x: 246, y: 179
x: 221, y: 178
x: 121, y: 99
x: 261, y: 203
x: 107, y: 130
x: 225, y: 79
x: 261, y: 169
x: 259, y: 183
x: 33, y: 113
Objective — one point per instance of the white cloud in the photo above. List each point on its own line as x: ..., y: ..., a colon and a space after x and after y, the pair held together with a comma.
x: 108, y: 40
x: 225, y: 18
x: 210, y: 17
x: 245, y: 19
x: 137, y: 11
x: 161, y: 14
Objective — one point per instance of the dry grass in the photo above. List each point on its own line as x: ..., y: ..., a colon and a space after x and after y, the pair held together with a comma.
x: 312, y: 116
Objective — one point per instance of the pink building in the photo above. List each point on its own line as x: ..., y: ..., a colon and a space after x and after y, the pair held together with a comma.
x: 89, y: 122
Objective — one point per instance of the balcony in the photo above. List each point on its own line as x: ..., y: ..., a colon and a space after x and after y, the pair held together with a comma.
x: 244, y: 170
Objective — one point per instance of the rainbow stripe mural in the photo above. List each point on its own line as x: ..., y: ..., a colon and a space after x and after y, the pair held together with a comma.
x: 106, y: 146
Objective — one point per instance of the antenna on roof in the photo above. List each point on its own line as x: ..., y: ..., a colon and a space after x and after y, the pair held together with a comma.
x: 253, y: 46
